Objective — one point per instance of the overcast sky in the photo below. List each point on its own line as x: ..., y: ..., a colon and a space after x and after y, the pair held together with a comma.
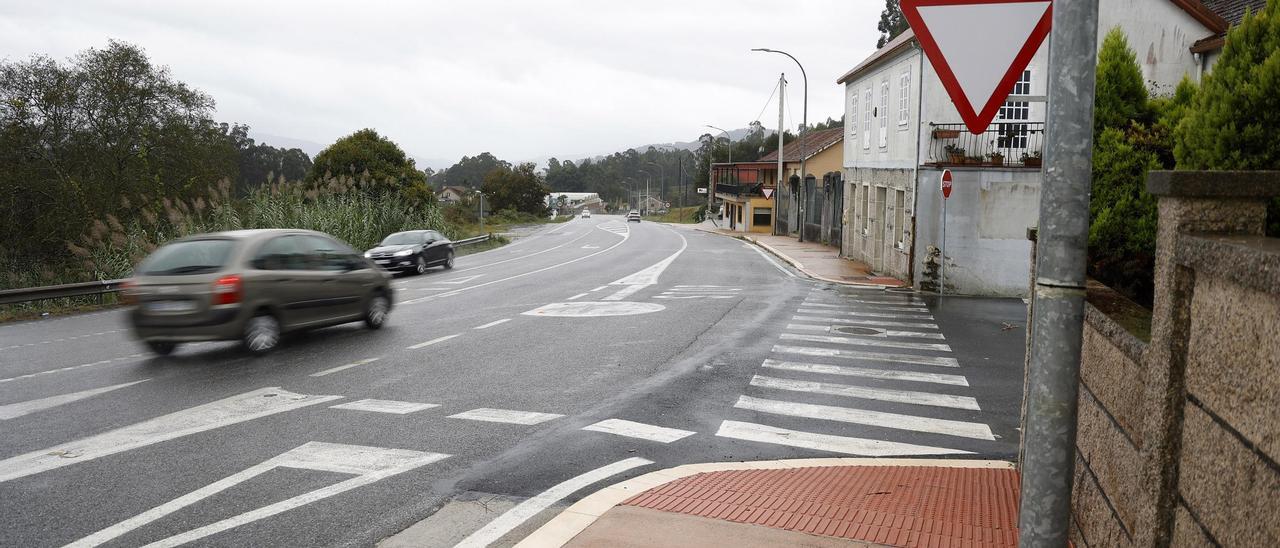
x: 522, y: 79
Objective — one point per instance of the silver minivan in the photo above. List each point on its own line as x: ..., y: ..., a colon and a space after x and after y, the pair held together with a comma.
x: 252, y: 286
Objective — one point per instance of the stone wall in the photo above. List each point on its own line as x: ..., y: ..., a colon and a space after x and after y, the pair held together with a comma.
x: 1178, y: 435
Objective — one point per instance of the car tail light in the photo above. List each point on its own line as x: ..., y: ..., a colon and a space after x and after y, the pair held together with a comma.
x: 227, y: 290
x: 126, y: 292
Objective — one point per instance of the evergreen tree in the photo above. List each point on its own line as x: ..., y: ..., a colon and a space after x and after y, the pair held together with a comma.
x: 892, y: 23
x: 1120, y: 95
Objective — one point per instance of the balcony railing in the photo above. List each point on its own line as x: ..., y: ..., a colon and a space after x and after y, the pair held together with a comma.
x: 1004, y: 144
x: 741, y: 189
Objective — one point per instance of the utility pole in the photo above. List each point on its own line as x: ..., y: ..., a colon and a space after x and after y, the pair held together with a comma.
x: 782, y: 127
x: 804, y: 126
x: 1058, y: 310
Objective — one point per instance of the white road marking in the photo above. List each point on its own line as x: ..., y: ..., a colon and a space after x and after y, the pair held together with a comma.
x: 589, y: 246
x: 506, y: 415
x: 343, y: 367
x: 73, y: 367
x: 431, y: 342
x: 227, y: 411
x: 872, y: 323
x: 892, y: 301
x: 872, y: 307
x: 705, y: 289
x: 61, y: 340
x: 870, y: 356
x: 866, y: 372
x: 592, y: 309
x: 866, y: 393
x: 493, y: 323
x: 509, y: 246
x: 880, y: 334
x: 624, y: 292
x: 578, y: 296
x: 668, y: 296
x: 865, y: 342
x: 368, y: 464
x: 385, y: 406
x: 531, y: 507
x: 771, y: 261
x: 824, y: 442
x: 859, y: 314
x: 461, y: 280
x: 639, y: 430
x: 15, y: 410
x: 974, y: 430
x: 648, y: 275
x: 599, y: 288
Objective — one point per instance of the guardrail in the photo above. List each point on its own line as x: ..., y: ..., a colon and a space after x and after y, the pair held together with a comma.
x: 84, y: 289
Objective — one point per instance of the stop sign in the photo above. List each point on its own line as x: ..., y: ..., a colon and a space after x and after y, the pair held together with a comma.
x: 946, y: 183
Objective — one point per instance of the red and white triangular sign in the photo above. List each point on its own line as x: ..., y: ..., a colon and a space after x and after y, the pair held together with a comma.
x: 979, y: 48
x: 768, y: 193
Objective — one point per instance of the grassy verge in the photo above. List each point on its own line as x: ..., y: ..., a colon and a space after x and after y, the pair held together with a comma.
x: 678, y: 215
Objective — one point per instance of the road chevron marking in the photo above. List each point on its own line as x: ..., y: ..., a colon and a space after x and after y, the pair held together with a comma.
x: 15, y: 410
x: 639, y: 430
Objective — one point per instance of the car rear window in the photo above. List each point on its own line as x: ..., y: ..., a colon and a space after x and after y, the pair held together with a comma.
x: 187, y: 258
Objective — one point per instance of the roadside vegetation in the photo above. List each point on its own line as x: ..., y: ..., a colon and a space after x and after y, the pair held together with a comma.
x: 691, y: 214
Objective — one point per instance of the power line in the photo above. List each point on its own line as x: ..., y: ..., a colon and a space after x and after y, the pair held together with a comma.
x: 767, y: 101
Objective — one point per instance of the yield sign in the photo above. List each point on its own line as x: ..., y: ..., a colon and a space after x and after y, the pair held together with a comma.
x: 979, y: 48
x: 768, y: 193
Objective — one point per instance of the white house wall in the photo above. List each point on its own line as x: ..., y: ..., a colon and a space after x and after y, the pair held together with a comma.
x: 1160, y: 33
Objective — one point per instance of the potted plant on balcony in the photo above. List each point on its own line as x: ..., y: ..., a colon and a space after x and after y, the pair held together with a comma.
x: 955, y: 154
x: 1032, y: 159
x: 940, y: 133
x: 995, y: 158
x: 973, y: 160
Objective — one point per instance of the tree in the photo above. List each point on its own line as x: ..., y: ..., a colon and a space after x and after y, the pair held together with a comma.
x: 365, y: 154
x: 470, y: 171
x: 1120, y: 95
x: 892, y: 23
x: 519, y: 189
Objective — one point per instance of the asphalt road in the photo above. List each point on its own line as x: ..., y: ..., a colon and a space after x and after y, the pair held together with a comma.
x: 584, y: 354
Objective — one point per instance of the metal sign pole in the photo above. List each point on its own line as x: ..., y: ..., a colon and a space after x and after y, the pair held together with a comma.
x: 1058, y: 311
x: 942, y: 260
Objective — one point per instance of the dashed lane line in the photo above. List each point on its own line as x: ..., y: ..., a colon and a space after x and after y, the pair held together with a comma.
x: 639, y: 430
x: 493, y: 323
x: 344, y: 367
x: 578, y: 296
x: 63, y: 339
x: 431, y: 342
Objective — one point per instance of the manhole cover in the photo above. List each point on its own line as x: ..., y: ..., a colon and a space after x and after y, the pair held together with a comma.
x: 849, y: 330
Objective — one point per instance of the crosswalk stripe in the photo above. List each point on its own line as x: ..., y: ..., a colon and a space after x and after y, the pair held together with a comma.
x: 865, y: 342
x: 896, y: 302
x: 974, y: 430
x: 883, y: 333
x: 865, y: 393
x: 825, y: 442
x: 505, y: 415
x: 872, y: 307
x: 860, y: 314
x: 385, y: 406
x: 875, y: 356
x: 866, y: 372
x: 872, y: 323
x: 638, y: 430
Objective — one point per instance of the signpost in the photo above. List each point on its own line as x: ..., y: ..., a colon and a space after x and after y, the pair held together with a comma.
x: 942, y: 260
x: 979, y: 48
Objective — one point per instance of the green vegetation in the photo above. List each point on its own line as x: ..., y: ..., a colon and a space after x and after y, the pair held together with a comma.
x: 372, y: 157
x: 691, y: 214
x: 518, y: 189
x: 892, y: 23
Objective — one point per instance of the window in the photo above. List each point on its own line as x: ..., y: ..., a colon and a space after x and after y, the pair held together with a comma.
x: 853, y: 115
x: 188, y: 257
x: 866, y: 118
x: 281, y: 253
x: 762, y: 216
x: 326, y: 254
x: 866, y: 191
x: 883, y: 113
x: 904, y: 97
x: 1014, y: 136
x: 899, y: 218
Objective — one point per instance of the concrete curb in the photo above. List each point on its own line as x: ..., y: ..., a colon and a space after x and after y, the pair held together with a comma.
x: 576, y: 518
x: 797, y: 264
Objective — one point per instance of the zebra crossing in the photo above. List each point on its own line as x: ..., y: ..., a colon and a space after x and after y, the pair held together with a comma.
x: 700, y: 292
x: 861, y: 372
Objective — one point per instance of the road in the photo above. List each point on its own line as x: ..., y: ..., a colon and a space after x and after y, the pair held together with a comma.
x: 587, y: 353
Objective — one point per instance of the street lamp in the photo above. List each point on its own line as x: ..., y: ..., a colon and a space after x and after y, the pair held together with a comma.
x: 662, y: 176
x: 804, y: 125
x: 727, y: 136
x: 644, y: 206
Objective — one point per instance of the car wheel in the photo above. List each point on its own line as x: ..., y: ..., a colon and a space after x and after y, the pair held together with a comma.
x: 448, y: 261
x: 375, y: 313
x: 421, y: 266
x: 162, y: 348
x: 262, y: 334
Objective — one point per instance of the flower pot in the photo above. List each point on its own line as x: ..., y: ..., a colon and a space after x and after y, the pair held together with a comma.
x: 946, y: 133
x: 1032, y: 162
x: 997, y: 159
x: 955, y: 157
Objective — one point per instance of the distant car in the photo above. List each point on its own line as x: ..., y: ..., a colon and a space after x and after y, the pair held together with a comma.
x: 252, y: 286
x: 586, y: 214
x: 413, y: 251
x: 633, y: 216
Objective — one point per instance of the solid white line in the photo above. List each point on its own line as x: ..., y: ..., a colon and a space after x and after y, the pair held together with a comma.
x: 974, y: 430
x: 771, y: 261
x: 385, y: 406
x: 599, y: 288
x: 866, y: 372
x: 825, y: 442
x: 871, y: 356
x: 506, y: 415
x: 233, y: 410
x: 493, y: 323
x: 882, y: 333
x: 921, y: 317
x: 873, y: 323
x: 864, y: 342
x: 578, y: 296
x: 638, y: 430
x: 73, y: 367
x: 431, y: 342
x: 15, y: 410
x: 865, y: 393
x: 624, y: 292
x: 344, y: 367
x: 531, y: 507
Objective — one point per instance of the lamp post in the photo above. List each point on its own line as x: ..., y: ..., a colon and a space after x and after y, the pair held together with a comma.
x: 662, y: 177
x: 644, y: 206
x: 804, y: 125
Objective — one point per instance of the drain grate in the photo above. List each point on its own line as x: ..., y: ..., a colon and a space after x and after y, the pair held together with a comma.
x: 850, y: 330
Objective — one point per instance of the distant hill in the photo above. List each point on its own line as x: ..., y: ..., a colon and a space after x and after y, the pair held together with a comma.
x: 679, y: 145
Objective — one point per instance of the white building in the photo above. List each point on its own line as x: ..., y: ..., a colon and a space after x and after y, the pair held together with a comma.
x: 902, y: 131
x: 575, y: 201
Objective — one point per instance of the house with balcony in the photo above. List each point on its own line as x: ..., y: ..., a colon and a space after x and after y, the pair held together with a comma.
x: 742, y: 188
x: 823, y: 190
x: 902, y: 131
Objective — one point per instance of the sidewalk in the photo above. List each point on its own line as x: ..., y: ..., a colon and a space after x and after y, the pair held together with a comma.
x: 819, y: 261
x: 845, y: 502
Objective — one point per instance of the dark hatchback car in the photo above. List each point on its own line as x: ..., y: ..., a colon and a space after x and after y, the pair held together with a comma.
x: 252, y: 286
x: 413, y: 251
